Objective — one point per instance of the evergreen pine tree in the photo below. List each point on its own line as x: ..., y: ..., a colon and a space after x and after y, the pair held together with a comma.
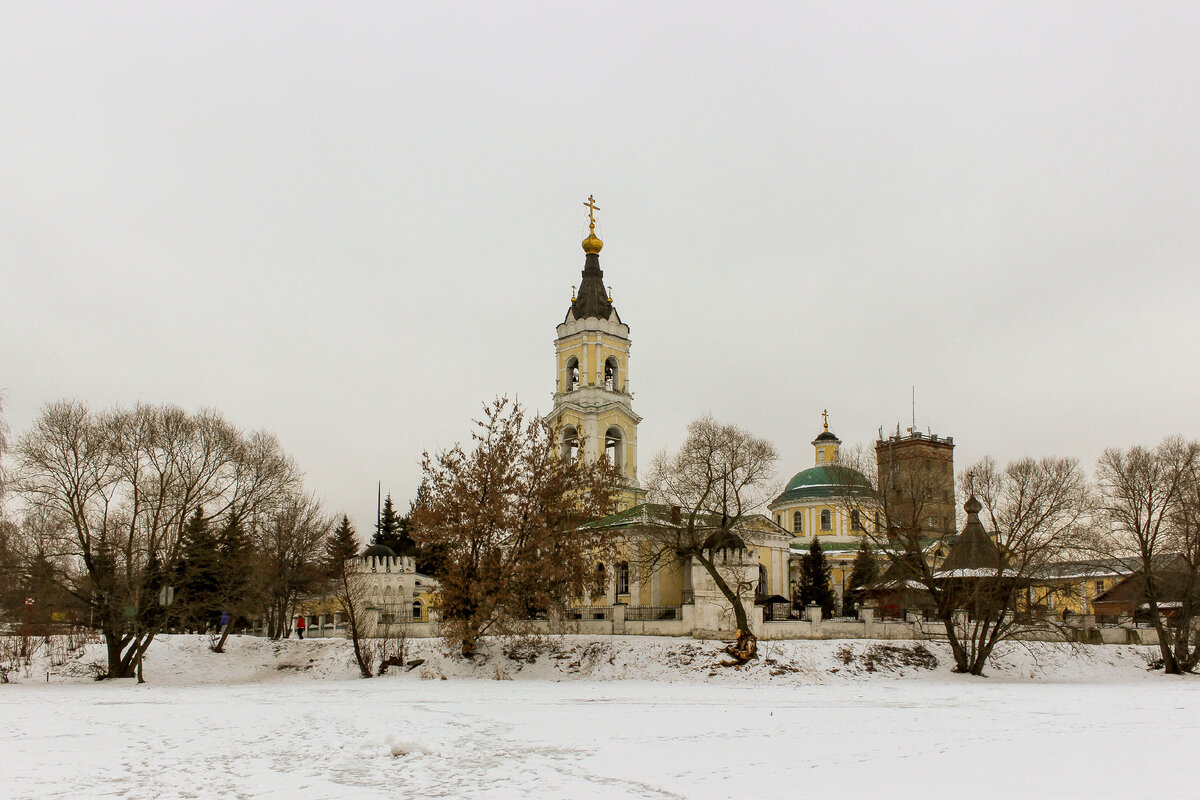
x: 804, y: 584
x: 342, y: 546
x: 392, y: 530
x: 816, y: 581
x: 863, y: 574
x: 198, y: 599
x: 235, y: 553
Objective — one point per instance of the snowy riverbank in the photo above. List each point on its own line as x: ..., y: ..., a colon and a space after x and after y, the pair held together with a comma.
x: 186, y: 660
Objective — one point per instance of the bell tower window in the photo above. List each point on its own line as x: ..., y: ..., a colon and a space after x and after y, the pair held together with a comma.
x: 570, y: 443
x: 611, y: 375
x: 572, y: 377
x: 613, y: 450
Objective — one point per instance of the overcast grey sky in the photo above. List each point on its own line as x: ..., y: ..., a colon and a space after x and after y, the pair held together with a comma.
x: 352, y: 224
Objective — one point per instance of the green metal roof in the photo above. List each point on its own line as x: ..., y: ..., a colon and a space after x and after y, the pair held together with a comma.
x: 827, y: 481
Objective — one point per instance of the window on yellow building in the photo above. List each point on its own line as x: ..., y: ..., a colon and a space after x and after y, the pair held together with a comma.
x: 572, y: 375
x: 797, y: 522
x: 826, y: 519
x: 610, y: 375
x: 622, y: 577
x: 416, y: 614
x: 613, y: 439
x: 570, y: 443
x: 855, y: 520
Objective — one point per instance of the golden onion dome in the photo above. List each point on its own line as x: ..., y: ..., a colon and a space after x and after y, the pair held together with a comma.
x: 592, y: 244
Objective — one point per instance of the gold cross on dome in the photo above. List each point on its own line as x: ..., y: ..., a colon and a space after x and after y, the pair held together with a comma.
x: 592, y: 209
x: 825, y: 416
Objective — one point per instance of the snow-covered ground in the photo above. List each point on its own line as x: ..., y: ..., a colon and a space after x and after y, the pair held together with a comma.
x: 603, y: 717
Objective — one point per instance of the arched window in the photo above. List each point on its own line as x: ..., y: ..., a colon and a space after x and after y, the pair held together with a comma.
x: 572, y: 377
x: 762, y: 581
x: 797, y: 522
x: 826, y: 519
x: 878, y: 521
x: 614, y: 450
x: 611, y: 377
x: 777, y: 521
x: 855, y: 520
x: 570, y: 443
x: 417, y: 609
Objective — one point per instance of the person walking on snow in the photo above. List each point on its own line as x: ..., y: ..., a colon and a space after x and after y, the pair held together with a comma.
x: 300, y: 627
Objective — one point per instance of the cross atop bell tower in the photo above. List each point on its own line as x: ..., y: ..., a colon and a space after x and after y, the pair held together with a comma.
x: 593, y: 405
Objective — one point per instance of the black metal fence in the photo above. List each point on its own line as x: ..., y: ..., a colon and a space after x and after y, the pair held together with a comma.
x: 588, y: 613
x: 652, y: 613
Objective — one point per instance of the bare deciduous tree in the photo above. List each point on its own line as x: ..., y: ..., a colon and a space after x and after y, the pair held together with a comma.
x: 289, y: 551
x: 120, y: 485
x: 349, y: 588
x: 507, y: 515
x: 1151, y: 501
x: 1035, y: 512
x: 3, y: 447
x: 718, y: 477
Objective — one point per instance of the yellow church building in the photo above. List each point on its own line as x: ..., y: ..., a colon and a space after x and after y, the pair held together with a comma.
x: 831, y: 502
x: 594, y: 418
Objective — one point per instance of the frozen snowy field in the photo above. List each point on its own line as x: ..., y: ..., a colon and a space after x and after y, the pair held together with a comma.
x: 245, y: 727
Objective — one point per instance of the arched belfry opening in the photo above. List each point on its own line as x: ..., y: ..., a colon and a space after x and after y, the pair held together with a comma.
x: 612, y: 372
x: 614, y: 446
x: 570, y: 443
x: 572, y: 376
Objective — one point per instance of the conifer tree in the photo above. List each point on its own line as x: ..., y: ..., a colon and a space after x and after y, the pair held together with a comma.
x: 199, y: 575
x: 392, y: 530
x: 863, y: 574
x: 803, y: 592
x: 816, y: 582
x: 235, y: 559
x: 342, y: 546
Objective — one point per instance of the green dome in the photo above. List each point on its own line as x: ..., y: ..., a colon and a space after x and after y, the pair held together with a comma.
x: 829, y: 481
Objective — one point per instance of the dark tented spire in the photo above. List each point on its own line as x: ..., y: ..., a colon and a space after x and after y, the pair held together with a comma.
x: 972, y: 549
x: 592, y: 300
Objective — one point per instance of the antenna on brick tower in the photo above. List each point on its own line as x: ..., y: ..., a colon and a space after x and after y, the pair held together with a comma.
x: 913, y: 429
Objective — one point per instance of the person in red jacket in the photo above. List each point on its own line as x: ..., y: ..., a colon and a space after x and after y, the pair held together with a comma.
x: 300, y: 627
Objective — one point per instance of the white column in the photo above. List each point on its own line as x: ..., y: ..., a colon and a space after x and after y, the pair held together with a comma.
x: 635, y: 583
